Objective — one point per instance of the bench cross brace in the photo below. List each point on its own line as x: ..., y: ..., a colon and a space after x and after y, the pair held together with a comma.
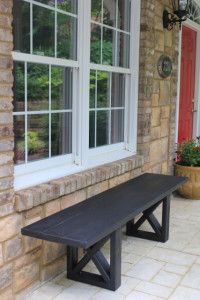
x: 110, y: 274
x: 161, y: 232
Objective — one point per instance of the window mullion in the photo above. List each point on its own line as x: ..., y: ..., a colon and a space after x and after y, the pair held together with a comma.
x: 50, y: 111
x: 84, y: 75
x: 26, y: 116
x: 134, y: 66
x: 31, y: 28
x: 55, y: 25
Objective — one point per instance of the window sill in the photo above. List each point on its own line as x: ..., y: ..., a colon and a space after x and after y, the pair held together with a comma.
x: 31, y: 197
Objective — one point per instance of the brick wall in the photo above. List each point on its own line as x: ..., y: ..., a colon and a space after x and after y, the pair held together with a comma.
x: 157, y: 96
x: 24, y: 261
x: 9, y: 224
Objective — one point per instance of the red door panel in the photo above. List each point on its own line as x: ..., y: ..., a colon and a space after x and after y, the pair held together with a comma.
x: 187, y: 84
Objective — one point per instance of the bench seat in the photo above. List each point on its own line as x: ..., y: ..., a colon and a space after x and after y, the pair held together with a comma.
x: 91, y: 223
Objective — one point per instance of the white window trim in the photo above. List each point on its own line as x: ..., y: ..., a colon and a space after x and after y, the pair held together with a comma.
x: 83, y: 157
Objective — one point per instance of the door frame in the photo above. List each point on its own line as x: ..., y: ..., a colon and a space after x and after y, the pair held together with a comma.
x: 196, y: 118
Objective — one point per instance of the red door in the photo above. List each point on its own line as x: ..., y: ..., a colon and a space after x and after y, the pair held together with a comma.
x: 187, y: 84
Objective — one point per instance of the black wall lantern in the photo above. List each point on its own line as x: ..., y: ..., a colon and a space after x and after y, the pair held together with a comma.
x: 179, y: 15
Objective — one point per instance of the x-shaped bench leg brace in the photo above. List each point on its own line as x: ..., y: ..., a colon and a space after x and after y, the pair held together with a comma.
x: 110, y: 274
x: 161, y: 232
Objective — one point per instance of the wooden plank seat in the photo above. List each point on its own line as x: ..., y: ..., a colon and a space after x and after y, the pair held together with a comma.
x: 90, y: 224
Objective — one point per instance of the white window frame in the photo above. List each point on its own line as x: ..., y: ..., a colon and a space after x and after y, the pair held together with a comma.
x: 82, y: 157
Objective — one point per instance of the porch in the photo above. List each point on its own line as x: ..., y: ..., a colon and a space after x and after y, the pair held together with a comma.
x: 150, y: 270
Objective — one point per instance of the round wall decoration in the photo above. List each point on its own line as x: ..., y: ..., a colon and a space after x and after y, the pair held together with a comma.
x: 164, y: 66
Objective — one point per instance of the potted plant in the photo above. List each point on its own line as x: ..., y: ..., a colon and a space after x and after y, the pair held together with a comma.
x: 188, y: 165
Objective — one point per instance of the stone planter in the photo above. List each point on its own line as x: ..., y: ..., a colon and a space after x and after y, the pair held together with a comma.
x: 191, y: 189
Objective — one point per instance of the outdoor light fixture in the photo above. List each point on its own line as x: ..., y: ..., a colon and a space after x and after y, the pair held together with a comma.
x: 179, y: 15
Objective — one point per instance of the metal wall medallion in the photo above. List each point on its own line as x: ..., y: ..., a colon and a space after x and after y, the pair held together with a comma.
x: 164, y: 66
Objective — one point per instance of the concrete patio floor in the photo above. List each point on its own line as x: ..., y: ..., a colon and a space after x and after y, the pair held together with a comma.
x: 150, y: 270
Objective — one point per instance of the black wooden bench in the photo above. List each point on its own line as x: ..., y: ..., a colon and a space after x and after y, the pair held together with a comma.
x: 90, y: 224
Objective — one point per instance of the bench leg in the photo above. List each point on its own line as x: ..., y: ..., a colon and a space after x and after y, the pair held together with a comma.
x: 161, y: 232
x: 110, y: 274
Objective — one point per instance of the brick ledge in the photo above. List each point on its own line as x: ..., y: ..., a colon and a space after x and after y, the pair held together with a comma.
x: 54, y: 189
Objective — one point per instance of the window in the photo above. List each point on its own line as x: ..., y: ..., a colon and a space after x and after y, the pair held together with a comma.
x: 75, y: 85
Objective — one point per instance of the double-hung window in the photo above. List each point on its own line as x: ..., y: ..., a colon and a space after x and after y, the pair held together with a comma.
x: 75, y: 85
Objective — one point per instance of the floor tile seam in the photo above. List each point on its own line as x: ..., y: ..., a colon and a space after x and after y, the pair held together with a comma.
x: 189, y: 242
x: 189, y: 287
x: 161, y: 286
x: 181, y: 251
x: 134, y: 290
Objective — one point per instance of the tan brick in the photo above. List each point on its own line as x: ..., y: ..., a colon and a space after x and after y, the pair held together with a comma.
x: 165, y: 112
x: 31, y: 243
x: 155, y: 100
x: 165, y: 168
x: 6, y: 170
x: 34, y: 213
x: 135, y: 173
x: 155, y: 119
x: 155, y: 132
x: 54, y: 269
x: 6, y: 209
x: 164, y: 92
x: 25, y: 276
x: 9, y: 226
x: 52, y: 251
x: 6, y: 276
x: 158, y: 23
x: 27, y: 259
x: 13, y: 248
x: 52, y: 207
x: 6, y: 7
x: 168, y: 38
x: 23, y: 201
x: 7, y: 294
x: 6, y: 158
x: 1, y: 255
x: 6, y: 197
x: 158, y: 150
x: 73, y: 198
x: 6, y: 183
x: 97, y: 189
x: 164, y: 127
x: 6, y: 145
x: 119, y: 179
x: 159, y: 41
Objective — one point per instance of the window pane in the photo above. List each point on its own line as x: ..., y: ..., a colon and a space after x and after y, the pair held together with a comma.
x: 109, y: 12
x: 117, y: 126
x: 19, y: 143
x: 38, y: 87
x: 38, y: 137
x: 43, y: 31
x: 68, y: 5
x: 61, y: 134
x: 19, y: 86
x: 108, y: 47
x: 95, y: 46
x: 123, y: 50
x: 61, y: 88
x: 118, y: 90
x: 96, y: 10
x: 102, y: 128
x: 21, y: 26
x: 92, y: 129
x: 103, y: 89
x: 92, y: 88
x: 47, y: 2
x: 124, y: 12
x: 66, y: 37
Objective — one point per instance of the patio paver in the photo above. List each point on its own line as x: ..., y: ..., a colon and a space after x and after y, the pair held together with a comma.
x: 151, y: 270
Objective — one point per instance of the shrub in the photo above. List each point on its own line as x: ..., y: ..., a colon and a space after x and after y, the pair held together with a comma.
x: 188, y: 153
